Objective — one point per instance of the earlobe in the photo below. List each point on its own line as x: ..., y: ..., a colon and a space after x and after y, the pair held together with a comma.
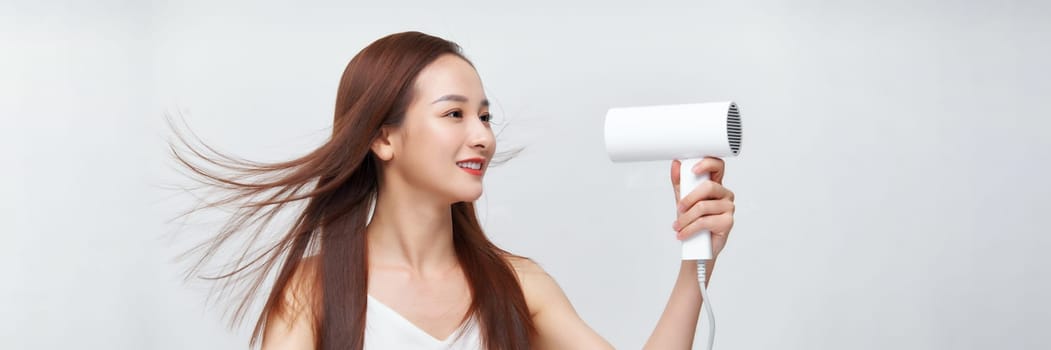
x: 382, y: 145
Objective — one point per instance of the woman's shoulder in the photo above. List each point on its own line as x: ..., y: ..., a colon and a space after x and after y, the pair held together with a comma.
x: 524, y: 265
x: 558, y: 325
x: 303, y: 288
x: 538, y: 287
x: 290, y: 323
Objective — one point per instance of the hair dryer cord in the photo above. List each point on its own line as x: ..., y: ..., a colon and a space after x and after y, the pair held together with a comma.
x: 705, y: 304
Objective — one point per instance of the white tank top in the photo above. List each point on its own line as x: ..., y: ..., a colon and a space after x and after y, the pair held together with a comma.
x: 387, y: 329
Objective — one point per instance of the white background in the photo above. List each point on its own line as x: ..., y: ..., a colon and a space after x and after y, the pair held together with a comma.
x: 891, y: 191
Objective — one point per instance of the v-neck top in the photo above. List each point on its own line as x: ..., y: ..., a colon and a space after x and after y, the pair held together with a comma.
x: 387, y: 329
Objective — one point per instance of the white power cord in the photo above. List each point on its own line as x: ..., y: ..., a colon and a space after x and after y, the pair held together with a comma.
x: 701, y: 277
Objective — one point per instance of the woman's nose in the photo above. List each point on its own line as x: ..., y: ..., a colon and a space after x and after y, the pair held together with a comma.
x: 481, y: 136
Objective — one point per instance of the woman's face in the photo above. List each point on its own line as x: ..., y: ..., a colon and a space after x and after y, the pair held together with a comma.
x: 445, y: 143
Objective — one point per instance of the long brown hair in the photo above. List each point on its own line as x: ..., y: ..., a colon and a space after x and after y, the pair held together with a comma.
x: 335, y: 184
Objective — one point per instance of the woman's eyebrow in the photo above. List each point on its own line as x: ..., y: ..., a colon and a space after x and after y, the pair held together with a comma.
x: 458, y: 98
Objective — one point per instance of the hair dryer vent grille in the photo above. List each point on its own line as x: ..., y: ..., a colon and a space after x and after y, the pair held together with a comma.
x: 733, y: 128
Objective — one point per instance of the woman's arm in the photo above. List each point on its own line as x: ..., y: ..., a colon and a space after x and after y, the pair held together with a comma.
x: 678, y: 323
x: 710, y: 206
x: 559, y: 327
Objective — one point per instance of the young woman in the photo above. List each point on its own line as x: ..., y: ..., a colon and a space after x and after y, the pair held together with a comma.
x: 386, y: 251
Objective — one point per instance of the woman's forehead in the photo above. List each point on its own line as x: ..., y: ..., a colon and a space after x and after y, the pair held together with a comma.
x: 449, y: 78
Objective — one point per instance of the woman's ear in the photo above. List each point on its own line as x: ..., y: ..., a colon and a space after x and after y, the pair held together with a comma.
x: 383, y: 144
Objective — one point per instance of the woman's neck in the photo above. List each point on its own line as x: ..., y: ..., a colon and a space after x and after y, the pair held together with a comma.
x: 410, y: 234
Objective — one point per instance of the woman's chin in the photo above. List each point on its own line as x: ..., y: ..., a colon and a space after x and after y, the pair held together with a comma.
x: 469, y: 196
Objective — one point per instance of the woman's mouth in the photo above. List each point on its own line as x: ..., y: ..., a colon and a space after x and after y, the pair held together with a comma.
x: 471, y: 166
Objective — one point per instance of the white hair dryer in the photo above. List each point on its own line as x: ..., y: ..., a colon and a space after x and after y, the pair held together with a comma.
x: 687, y: 132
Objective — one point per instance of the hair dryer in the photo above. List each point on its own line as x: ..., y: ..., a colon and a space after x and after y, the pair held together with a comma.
x: 687, y: 132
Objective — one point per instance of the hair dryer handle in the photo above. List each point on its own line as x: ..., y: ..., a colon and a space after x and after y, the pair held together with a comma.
x: 699, y: 246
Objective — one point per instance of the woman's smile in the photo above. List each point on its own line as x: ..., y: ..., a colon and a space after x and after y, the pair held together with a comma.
x: 472, y: 166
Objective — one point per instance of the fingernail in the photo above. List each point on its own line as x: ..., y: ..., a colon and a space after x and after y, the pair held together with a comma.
x: 675, y: 225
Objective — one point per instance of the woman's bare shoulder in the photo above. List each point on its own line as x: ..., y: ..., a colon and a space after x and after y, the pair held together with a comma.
x: 539, y: 288
x: 557, y: 324
x: 291, y: 324
x: 524, y: 265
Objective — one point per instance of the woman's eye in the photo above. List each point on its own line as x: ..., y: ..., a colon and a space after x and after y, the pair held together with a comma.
x: 486, y: 117
x: 455, y: 114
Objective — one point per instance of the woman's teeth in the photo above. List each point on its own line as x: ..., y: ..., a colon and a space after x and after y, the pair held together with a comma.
x: 470, y: 165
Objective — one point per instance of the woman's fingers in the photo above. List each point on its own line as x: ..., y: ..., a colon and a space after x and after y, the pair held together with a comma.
x: 701, y: 209
x: 719, y: 225
x: 715, y: 166
x: 706, y: 190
